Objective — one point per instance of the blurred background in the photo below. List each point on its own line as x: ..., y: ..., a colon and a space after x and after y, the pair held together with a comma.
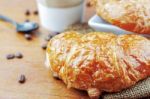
x: 18, y: 10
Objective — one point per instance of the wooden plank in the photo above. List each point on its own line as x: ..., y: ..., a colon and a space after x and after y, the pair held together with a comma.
x: 40, y: 84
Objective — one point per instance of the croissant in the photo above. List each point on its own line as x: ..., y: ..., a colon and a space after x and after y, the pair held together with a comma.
x: 131, y: 15
x: 98, y: 62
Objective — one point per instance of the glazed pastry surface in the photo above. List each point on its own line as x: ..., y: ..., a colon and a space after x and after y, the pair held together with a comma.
x: 131, y: 15
x: 98, y: 62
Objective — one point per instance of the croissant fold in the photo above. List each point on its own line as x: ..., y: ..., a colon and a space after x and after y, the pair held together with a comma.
x: 98, y: 62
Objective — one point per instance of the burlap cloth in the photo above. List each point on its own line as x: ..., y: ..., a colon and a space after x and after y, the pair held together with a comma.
x: 140, y: 90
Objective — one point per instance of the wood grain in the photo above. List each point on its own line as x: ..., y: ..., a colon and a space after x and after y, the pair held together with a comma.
x: 40, y: 84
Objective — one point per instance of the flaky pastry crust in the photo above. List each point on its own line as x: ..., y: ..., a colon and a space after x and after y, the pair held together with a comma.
x: 98, y: 62
x: 131, y: 15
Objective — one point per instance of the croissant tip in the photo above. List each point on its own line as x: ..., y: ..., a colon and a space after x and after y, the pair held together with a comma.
x: 94, y: 93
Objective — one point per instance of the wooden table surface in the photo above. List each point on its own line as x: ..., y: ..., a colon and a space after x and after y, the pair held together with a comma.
x: 39, y: 83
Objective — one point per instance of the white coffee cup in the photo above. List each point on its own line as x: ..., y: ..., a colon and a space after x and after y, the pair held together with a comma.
x: 57, y: 15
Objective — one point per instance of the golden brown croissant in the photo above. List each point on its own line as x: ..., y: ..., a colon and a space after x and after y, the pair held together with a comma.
x: 98, y: 62
x: 131, y: 15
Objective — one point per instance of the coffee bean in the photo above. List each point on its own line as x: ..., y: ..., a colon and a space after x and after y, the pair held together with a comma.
x: 28, y: 36
x: 88, y: 4
x: 44, y: 46
x: 27, y: 13
x: 10, y: 56
x: 22, y: 79
x: 18, y: 55
x: 35, y: 12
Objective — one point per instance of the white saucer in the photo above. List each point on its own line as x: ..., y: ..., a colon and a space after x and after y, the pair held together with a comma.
x: 99, y: 24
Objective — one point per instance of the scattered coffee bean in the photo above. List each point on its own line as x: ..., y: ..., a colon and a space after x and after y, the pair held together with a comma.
x: 44, y: 46
x: 18, y: 55
x: 88, y: 4
x: 27, y: 13
x: 35, y: 12
x: 28, y: 36
x: 22, y: 78
x: 10, y: 56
